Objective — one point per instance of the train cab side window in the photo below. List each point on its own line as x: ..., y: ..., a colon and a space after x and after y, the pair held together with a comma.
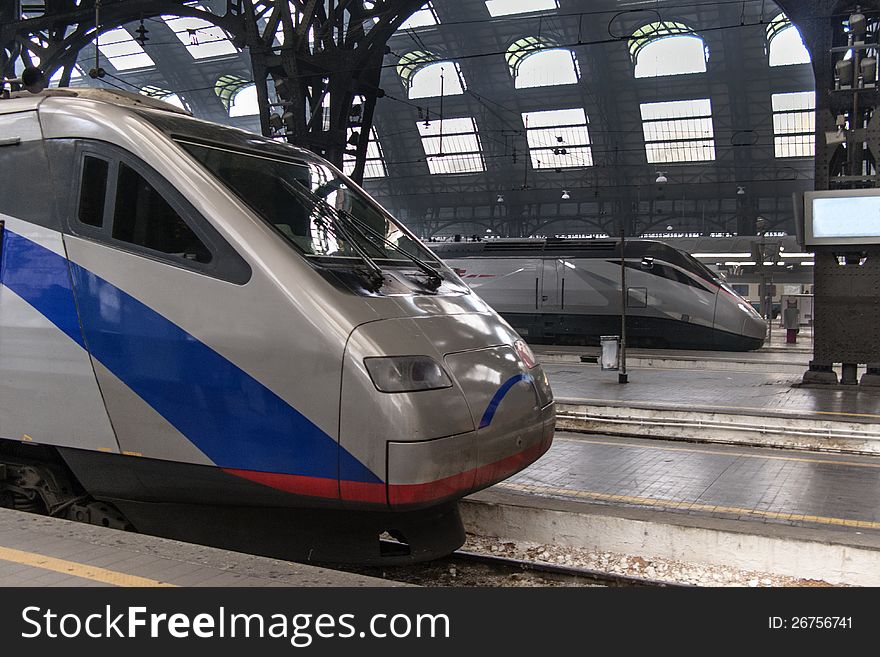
x: 144, y: 218
x: 93, y: 191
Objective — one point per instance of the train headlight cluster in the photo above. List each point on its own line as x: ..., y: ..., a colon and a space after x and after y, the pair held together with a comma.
x: 406, y: 373
x: 525, y: 353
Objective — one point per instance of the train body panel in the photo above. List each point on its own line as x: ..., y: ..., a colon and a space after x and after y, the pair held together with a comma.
x: 672, y: 300
x: 152, y: 307
x: 47, y: 378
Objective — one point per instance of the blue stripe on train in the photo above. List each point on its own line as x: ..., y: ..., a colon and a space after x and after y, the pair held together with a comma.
x: 40, y: 277
x: 234, y: 419
x: 499, y: 395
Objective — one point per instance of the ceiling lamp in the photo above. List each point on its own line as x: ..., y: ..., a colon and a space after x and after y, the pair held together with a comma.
x: 565, y: 195
x: 661, y: 178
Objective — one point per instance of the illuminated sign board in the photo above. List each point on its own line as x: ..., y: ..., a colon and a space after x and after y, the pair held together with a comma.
x: 842, y: 217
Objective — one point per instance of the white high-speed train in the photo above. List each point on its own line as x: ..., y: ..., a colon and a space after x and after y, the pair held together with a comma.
x: 567, y: 291
x: 209, y: 335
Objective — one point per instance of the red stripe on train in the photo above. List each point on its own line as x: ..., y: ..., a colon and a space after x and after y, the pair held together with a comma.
x: 485, y: 475
x: 397, y: 494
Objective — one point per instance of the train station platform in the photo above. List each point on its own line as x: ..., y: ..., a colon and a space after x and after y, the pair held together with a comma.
x: 42, y: 551
x: 809, y: 515
x: 751, y: 398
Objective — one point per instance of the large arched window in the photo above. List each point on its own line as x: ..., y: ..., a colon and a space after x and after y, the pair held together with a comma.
x: 784, y: 43
x: 239, y: 96
x: 667, y: 48
x: 539, y: 62
x: 511, y: 7
x: 425, y: 76
x: 245, y: 102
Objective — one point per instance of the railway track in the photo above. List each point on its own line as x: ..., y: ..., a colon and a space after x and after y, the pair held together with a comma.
x: 465, y: 568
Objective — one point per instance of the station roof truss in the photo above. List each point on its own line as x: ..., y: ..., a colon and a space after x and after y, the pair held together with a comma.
x: 738, y: 118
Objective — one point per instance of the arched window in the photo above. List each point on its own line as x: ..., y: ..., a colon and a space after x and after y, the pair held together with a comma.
x: 539, y: 62
x: 511, y: 7
x: 245, y: 102
x: 425, y: 76
x: 784, y: 43
x: 667, y: 48
x: 239, y: 96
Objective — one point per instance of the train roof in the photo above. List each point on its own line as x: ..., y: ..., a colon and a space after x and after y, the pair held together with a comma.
x: 95, y: 114
x: 570, y: 248
x: 21, y: 101
x: 554, y: 247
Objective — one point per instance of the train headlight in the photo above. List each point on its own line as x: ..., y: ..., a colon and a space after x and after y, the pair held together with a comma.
x: 525, y: 353
x: 406, y: 373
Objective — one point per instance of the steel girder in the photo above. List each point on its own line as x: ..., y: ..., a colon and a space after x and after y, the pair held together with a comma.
x: 847, y: 298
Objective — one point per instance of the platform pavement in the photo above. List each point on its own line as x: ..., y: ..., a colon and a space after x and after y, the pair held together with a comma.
x: 42, y: 551
x: 717, y: 406
x: 802, y: 514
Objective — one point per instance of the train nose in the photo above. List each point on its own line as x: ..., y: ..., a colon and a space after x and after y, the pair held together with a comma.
x: 497, y: 417
x: 506, y: 399
x: 513, y: 416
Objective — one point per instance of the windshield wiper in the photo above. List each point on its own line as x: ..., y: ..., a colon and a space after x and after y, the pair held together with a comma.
x: 373, y: 274
x: 434, y: 277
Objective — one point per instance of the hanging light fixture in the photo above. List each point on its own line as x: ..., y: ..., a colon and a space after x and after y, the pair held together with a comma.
x: 500, y: 198
x: 565, y: 195
x: 661, y: 178
x: 142, y: 33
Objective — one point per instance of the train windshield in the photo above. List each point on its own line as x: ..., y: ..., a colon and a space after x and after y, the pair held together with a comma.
x: 702, y: 270
x: 310, y: 205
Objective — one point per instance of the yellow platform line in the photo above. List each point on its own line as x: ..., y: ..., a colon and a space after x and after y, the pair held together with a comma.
x: 718, y: 452
x: 684, y: 505
x: 75, y: 569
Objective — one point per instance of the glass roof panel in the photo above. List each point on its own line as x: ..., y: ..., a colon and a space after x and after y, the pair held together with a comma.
x: 452, y: 146
x: 794, y: 124
x: 120, y: 48
x: 678, y: 131
x: 511, y: 7
x: 201, y: 38
x: 374, y: 167
x: 558, y: 138
x: 424, y: 17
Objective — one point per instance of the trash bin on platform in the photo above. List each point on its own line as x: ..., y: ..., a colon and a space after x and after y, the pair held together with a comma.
x: 609, y: 352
